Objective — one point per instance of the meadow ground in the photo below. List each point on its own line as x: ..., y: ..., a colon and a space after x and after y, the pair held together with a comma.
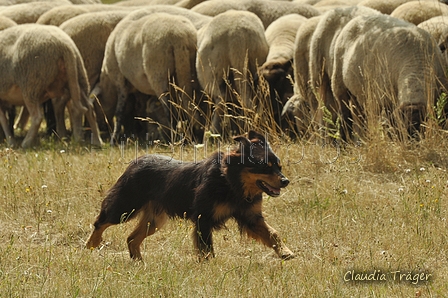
x: 377, y: 211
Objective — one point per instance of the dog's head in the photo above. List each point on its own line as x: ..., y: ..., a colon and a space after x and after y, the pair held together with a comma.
x: 255, y: 166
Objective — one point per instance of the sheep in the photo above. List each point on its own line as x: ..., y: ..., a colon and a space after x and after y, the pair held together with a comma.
x: 416, y: 12
x: 399, y: 81
x: 230, y: 48
x: 383, y: 6
x: 301, y: 107
x: 435, y: 26
x: 37, y: 63
x: 147, y: 55
x: 188, y: 3
x: 8, y: 109
x: 438, y: 28
x: 267, y: 11
x: 15, y: 2
x: 326, y: 5
x: 6, y: 23
x: 29, y: 12
x: 106, y: 91
x: 443, y: 42
x: 58, y: 15
x: 198, y: 20
x: 277, y: 70
x: 145, y: 2
x: 321, y: 54
x: 90, y: 35
x: 90, y: 32
x: 310, y: 2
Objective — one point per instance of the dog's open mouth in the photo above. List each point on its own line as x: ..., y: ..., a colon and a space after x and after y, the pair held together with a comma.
x: 269, y: 190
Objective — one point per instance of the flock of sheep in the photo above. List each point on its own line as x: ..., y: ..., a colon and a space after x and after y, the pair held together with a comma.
x: 174, y: 60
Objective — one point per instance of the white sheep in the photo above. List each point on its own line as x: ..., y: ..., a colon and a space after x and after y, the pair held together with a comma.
x: 90, y: 32
x: 188, y: 3
x: 438, y: 28
x: 310, y: 2
x: 144, y: 2
x: 198, y: 20
x: 230, y: 48
x: 59, y: 14
x: 302, y: 106
x: 370, y: 76
x: 267, y: 11
x: 38, y: 63
x: 278, y: 70
x: 148, y: 55
x: 321, y: 54
x: 8, y: 109
x: 15, y: 2
x: 326, y: 5
x: 383, y: 6
x: 6, y: 23
x: 106, y: 91
x: 443, y: 42
x: 56, y: 16
x: 435, y: 26
x: 29, y: 12
x: 416, y: 12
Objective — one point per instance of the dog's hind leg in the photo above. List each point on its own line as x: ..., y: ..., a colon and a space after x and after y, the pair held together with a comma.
x: 96, y: 237
x: 108, y: 216
x: 151, y: 220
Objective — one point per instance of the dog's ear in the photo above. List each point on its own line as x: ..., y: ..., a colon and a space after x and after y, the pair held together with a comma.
x: 253, y: 135
x: 243, y: 140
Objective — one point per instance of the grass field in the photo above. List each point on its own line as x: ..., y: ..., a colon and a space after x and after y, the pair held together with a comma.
x: 349, y: 213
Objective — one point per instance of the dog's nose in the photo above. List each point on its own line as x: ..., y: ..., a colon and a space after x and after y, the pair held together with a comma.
x: 284, y: 181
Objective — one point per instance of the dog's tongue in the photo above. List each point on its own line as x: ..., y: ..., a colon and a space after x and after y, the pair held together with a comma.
x: 273, y: 190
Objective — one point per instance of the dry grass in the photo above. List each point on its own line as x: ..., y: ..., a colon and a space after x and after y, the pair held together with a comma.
x: 380, y: 206
x: 377, y: 207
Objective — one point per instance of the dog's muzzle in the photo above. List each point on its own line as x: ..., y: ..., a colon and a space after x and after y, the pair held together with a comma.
x: 284, y: 181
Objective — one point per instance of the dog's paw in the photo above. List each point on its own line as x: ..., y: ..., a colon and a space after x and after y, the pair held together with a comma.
x: 286, y: 254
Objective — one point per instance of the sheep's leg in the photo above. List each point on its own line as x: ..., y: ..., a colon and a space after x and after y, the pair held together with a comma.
x: 6, y: 128
x: 36, y: 116
x: 105, y: 94
x: 168, y: 126
x: 23, y: 118
x: 119, y: 110
x: 91, y: 118
x: 76, y: 117
x: 218, y: 115
x: 59, y: 114
x: 412, y: 115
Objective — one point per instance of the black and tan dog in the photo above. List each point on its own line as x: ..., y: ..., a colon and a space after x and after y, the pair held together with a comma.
x: 226, y: 185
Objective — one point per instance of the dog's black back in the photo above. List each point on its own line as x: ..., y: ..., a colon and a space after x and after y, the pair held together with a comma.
x: 169, y: 182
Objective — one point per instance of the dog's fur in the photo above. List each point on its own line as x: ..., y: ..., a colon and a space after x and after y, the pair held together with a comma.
x: 223, y: 186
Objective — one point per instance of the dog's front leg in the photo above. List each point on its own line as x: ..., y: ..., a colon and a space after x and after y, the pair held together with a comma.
x: 251, y: 222
x: 261, y: 231
x: 202, y: 238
